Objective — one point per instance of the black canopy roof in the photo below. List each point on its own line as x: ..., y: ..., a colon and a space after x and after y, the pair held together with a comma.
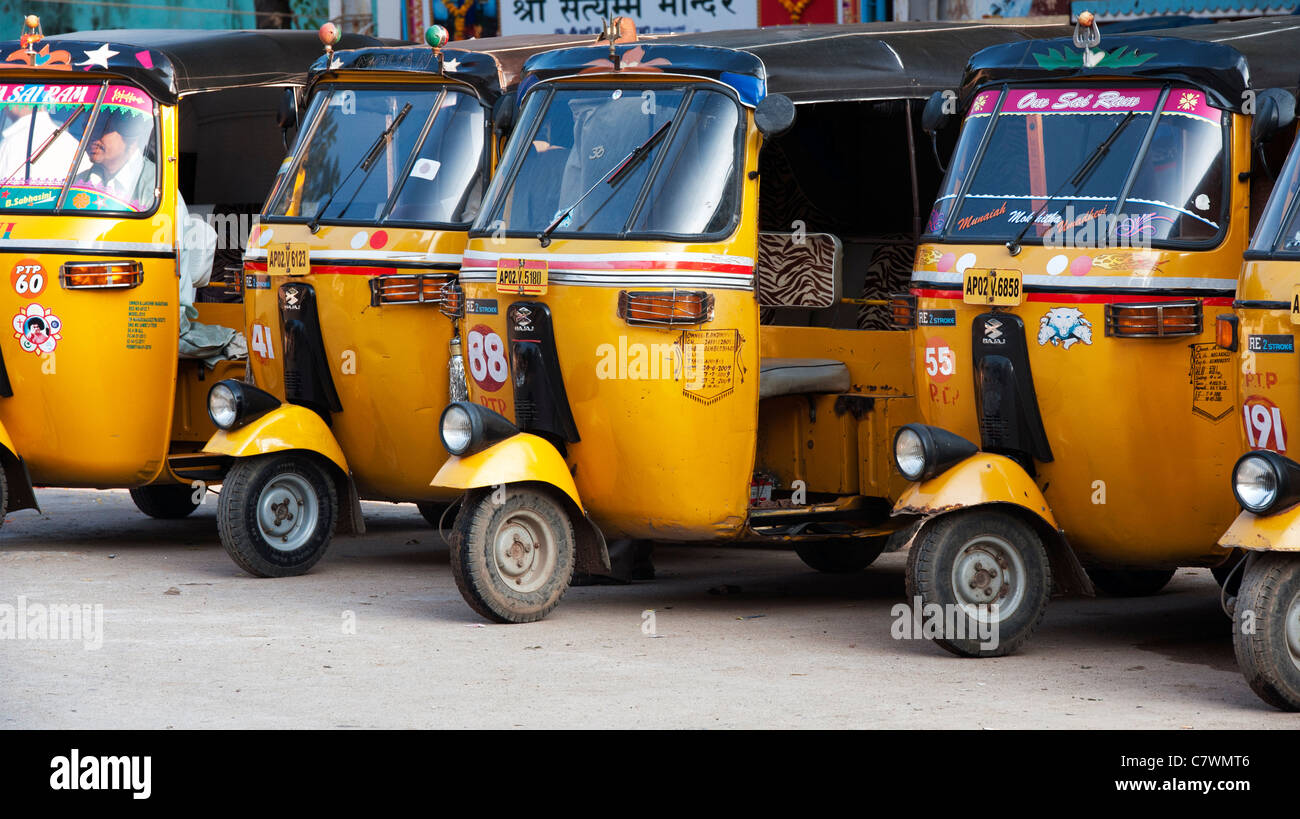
x: 491, y: 65
x: 831, y: 63
x: 1226, y: 59
x: 171, y: 63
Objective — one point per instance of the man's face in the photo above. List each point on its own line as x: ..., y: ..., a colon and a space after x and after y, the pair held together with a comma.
x: 109, y: 150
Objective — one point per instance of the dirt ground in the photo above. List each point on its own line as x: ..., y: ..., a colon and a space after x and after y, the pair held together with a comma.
x: 377, y: 636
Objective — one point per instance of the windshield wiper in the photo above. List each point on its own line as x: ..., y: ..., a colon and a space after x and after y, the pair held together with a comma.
x: 620, y: 170
x: 39, y: 152
x: 367, y: 162
x: 1074, y: 180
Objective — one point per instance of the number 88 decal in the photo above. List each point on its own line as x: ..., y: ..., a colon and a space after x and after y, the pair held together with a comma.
x: 487, y: 358
x: 1264, y: 426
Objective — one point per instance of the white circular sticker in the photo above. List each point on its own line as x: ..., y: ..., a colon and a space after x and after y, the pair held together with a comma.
x: 618, y: 93
x: 1057, y: 264
x: 359, y: 240
x: 1203, y: 202
x: 965, y: 261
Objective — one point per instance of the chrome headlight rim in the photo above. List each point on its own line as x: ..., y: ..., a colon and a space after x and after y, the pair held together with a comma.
x: 475, y: 430
x: 487, y: 428
x: 227, y: 415
x: 907, y: 435
x: 249, y: 403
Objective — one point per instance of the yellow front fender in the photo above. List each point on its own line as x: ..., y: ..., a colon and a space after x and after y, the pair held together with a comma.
x: 288, y: 427
x: 520, y: 457
x: 1266, y: 533
x: 980, y: 479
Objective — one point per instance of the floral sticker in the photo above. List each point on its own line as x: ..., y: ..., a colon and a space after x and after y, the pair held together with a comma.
x: 37, y: 329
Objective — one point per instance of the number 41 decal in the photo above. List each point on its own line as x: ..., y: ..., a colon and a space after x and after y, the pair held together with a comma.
x: 261, y: 341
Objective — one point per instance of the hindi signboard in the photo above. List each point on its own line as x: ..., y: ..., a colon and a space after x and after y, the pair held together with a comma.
x: 651, y: 16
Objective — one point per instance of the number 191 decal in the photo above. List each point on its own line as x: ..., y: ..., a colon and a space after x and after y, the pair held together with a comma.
x: 1264, y: 426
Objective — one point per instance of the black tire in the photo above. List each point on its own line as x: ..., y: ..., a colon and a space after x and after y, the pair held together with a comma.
x: 1268, y: 606
x: 1130, y: 582
x: 843, y: 556
x: 536, y: 520
x: 299, y: 496
x: 989, y: 544
x: 432, y: 511
x: 165, y: 502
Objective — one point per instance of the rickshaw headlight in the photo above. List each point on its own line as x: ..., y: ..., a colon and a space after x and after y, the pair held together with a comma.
x: 223, y: 406
x: 1256, y: 482
x: 921, y: 452
x: 909, y: 454
x: 457, y: 429
x: 232, y: 403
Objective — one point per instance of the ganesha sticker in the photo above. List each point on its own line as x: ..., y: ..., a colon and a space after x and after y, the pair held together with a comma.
x: 1064, y: 326
x: 37, y: 329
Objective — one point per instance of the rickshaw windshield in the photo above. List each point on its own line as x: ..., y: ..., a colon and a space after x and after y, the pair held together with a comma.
x: 604, y: 162
x: 1147, y: 185
x: 1278, y: 230
x: 396, y: 154
x: 77, y: 147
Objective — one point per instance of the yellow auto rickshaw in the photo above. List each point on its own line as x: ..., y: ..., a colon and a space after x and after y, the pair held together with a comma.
x: 1078, y: 413
x: 687, y: 337
x: 1265, y: 482
x: 122, y: 204
x: 352, y: 300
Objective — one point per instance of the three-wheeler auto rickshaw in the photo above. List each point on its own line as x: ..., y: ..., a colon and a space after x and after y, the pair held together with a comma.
x: 352, y: 300
x: 104, y: 133
x: 658, y: 349
x: 1266, y: 480
x: 1078, y: 414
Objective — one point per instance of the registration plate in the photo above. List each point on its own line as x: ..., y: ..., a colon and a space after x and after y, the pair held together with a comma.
x: 1000, y: 288
x: 521, y: 277
x: 291, y: 259
x: 1295, y: 304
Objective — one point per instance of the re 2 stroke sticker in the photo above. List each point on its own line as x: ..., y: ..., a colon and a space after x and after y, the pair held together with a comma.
x: 936, y: 318
x: 257, y: 281
x: 1270, y: 344
x: 486, y: 307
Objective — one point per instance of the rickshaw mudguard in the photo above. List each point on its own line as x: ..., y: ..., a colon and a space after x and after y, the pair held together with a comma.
x: 1264, y: 533
x: 520, y: 457
x: 280, y: 430
x: 18, y: 482
x: 981, y: 479
x: 525, y: 457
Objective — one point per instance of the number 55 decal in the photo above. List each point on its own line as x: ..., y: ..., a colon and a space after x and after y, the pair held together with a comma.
x: 940, y: 360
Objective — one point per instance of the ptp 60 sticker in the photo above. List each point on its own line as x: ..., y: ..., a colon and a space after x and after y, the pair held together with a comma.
x: 28, y: 278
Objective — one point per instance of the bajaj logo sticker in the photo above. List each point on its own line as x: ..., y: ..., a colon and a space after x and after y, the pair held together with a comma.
x: 1271, y: 344
x: 291, y: 297
x: 993, y: 332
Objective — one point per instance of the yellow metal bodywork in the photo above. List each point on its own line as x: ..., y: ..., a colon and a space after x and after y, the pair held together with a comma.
x: 1264, y: 533
x: 521, y: 457
x: 98, y: 411
x: 1143, y: 431
x: 289, y: 427
x: 657, y: 458
x: 980, y: 479
x: 388, y: 363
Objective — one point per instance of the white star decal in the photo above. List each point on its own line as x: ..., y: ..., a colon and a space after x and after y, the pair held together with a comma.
x: 451, y: 65
x: 99, y: 56
x: 336, y: 63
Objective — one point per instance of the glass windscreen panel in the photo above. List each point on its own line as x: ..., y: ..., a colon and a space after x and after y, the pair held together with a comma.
x: 76, y: 147
x: 409, y: 154
x: 621, y: 162
x: 1278, y: 230
x: 1062, y: 158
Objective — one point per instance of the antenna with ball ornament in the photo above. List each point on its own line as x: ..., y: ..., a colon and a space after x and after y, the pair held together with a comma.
x: 329, y: 37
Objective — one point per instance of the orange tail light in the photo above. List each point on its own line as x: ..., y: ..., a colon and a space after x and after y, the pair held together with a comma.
x: 667, y: 308
x: 1176, y: 318
x: 100, y: 275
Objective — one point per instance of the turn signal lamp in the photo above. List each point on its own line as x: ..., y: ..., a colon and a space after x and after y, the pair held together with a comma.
x: 415, y: 288
x: 902, y: 309
x: 665, y: 308
x: 1225, y: 332
x: 100, y: 275
x: 1180, y: 318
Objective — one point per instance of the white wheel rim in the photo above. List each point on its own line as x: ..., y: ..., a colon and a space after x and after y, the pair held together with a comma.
x: 287, y: 512
x: 989, y: 570
x: 523, y: 551
x: 1292, y: 627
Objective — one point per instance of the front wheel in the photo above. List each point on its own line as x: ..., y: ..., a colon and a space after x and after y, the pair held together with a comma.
x: 512, y: 557
x: 276, y: 514
x: 166, y: 501
x: 843, y: 556
x: 1131, y: 582
x: 989, y: 574
x: 1266, y: 628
